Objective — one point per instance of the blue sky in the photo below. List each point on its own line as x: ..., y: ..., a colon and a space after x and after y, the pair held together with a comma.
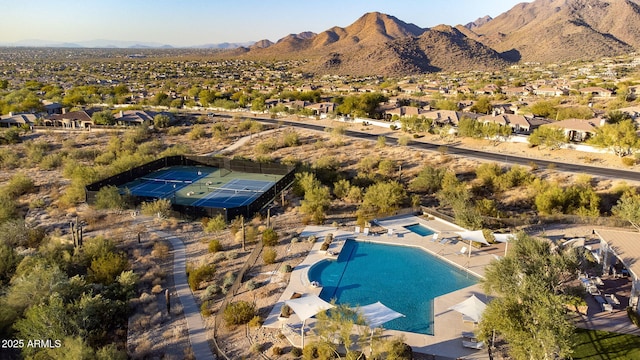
x: 196, y: 22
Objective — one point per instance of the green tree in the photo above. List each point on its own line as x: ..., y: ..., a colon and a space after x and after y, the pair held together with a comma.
x: 161, y: 120
x: 315, y: 203
x: 109, y: 197
x: 381, y: 199
x: 215, y: 224
x: 482, y: 105
x: 106, y: 268
x: 529, y: 311
x: 269, y: 237
x: 547, y: 136
x: 628, y: 208
x: 104, y: 117
x: 621, y: 137
x: 428, y: 180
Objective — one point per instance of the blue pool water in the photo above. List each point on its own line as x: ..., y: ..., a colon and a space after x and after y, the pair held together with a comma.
x: 403, y: 278
x: 419, y: 229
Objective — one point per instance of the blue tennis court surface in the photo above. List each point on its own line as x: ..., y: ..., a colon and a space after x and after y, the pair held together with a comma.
x: 235, y: 193
x: 163, y: 183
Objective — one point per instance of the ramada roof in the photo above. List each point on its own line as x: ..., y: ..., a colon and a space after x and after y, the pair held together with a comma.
x: 626, y: 245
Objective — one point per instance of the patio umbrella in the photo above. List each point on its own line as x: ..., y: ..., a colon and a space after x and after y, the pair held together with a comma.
x: 375, y: 315
x: 471, y: 308
x: 306, y: 307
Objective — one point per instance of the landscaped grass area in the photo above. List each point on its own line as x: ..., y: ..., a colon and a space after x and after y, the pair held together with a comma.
x: 605, y: 345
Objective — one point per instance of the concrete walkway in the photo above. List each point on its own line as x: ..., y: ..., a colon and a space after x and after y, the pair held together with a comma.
x: 195, y: 323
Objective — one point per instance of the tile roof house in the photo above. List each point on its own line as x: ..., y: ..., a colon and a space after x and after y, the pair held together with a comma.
x: 619, y: 251
x: 18, y: 120
x: 596, y: 91
x: 74, y: 119
x: 134, y: 117
x: 547, y: 91
x: 322, y: 108
x: 446, y: 117
x: 403, y: 111
x: 518, y: 123
x: 577, y: 129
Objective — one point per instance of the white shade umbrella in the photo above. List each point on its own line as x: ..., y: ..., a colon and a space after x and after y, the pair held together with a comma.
x: 471, y: 308
x: 375, y: 315
x: 306, y: 307
x: 473, y: 236
x: 504, y: 238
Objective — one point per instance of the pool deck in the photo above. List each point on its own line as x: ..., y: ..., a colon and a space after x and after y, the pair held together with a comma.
x: 448, y: 324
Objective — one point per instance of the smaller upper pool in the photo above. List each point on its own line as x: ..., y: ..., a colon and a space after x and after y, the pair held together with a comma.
x: 419, y: 229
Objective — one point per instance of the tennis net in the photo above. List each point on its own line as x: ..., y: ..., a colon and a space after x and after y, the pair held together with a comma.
x: 166, y: 181
x: 234, y: 191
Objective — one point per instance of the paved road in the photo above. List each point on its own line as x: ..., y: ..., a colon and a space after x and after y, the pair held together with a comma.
x: 195, y: 323
x: 471, y: 153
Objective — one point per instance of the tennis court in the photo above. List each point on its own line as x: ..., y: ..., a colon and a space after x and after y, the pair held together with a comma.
x: 166, y: 182
x: 202, y: 186
x: 237, y: 192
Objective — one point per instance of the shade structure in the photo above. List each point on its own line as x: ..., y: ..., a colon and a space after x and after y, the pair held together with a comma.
x: 504, y: 238
x: 377, y: 314
x: 471, y: 308
x: 475, y: 236
x: 306, y: 307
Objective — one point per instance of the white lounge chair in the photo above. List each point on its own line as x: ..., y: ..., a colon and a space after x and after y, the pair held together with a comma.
x: 357, y: 230
x: 462, y: 251
x: 366, y: 231
x: 390, y: 232
x: 434, y: 238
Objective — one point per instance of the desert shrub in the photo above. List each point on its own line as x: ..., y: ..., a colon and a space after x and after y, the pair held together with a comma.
x: 266, y: 146
x: 628, y: 161
x: 197, y: 132
x: 227, y: 281
x: 230, y: 255
x: 276, y: 350
x: 269, y: 237
x: 269, y: 255
x: 106, y: 268
x: 290, y: 138
x: 214, y: 224
x: 311, y: 239
x: 296, y: 352
x: 256, y: 321
x: 200, y: 274
x: 160, y: 207
x: 238, y: 313
x: 250, y: 285
x: 51, y: 161
x: 286, y: 268
x: 341, y: 188
x: 204, y: 309
x: 211, y: 291
x: 215, y: 246
x: 9, y: 159
x: 160, y: 250
x: 18, y: 184
x: 108, y: 197
x: 404, y: 140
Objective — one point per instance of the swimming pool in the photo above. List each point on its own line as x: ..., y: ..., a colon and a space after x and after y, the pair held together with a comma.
x: 403, y: 278
x: 419, y: 229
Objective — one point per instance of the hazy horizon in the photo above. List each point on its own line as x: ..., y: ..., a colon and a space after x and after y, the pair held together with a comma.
x: 199, y: 22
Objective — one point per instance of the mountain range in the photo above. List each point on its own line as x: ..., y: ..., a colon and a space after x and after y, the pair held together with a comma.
x: 540, y: 31
x: 543, y: 31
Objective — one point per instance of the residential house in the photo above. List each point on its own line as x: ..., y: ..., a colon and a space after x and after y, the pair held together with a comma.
x: 134, y: 117
x: 52, y: 107
x: 577, y: 130
x: 446, y: 117
x: 322, y: 108
x: 596, y: 91
x: 296, y: 104
x: 403, y: 111
x: 548, y: 91
x: 518, y: 123
x: 73, y: 120
x: 17, y: 120
x: 619, y: 255
x: 517, y: 91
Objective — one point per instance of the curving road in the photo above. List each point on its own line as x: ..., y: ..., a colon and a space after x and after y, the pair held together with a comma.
x: 478, y: 154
